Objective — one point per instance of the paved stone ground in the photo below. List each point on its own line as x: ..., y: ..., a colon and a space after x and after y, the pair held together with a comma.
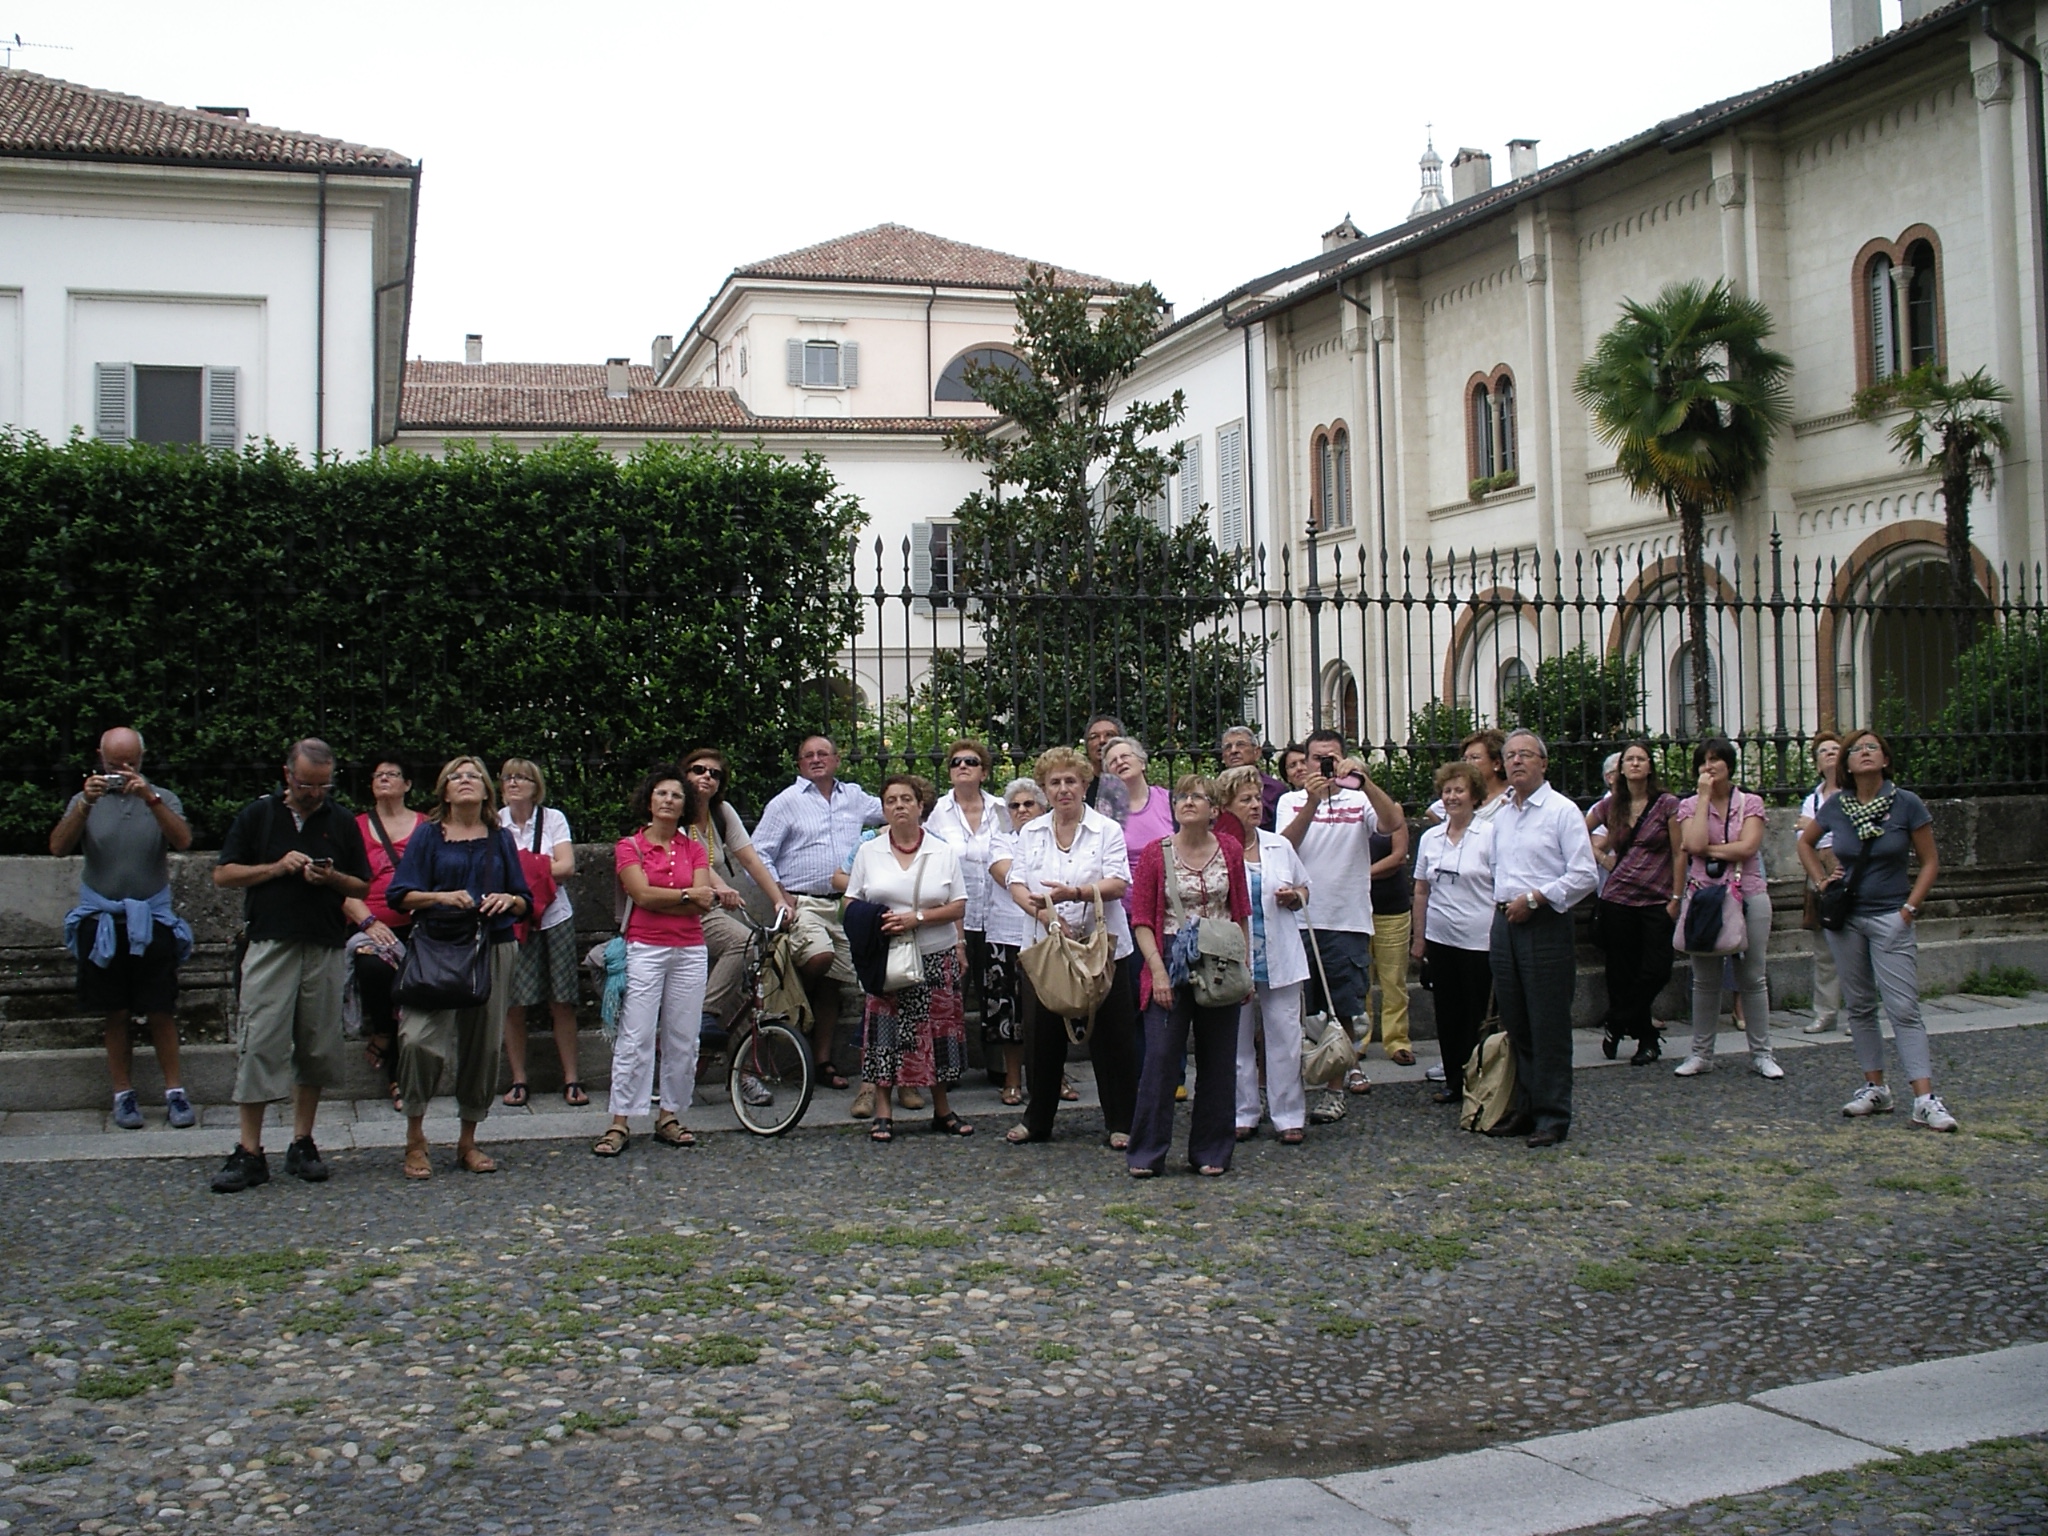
x: 1999, y: 1487
x: 822, y: 1333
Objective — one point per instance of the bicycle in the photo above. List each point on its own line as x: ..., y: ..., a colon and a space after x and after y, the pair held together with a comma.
x: 766, y: 1062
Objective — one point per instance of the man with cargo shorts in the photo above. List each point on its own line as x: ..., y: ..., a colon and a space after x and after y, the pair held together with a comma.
x: 296, y: 857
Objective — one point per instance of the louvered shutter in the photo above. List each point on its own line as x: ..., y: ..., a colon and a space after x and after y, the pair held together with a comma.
x: 1191, y: 480
x: 1230, y: 486
x: 849, y: 364
x: 796, y: 364
x: 921, y: 566
x: 112, y: 389
x: 1884, y: 353
x: 223, y: 424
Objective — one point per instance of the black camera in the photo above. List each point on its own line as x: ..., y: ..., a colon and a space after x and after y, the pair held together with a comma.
x: 1327, y: 767
x: 1716, y: 868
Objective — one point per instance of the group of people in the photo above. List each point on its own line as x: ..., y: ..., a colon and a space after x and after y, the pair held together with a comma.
x: 1232, y: 910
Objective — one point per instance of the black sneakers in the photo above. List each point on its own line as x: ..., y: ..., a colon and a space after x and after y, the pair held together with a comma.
x: 243, y: 1170
x: 302, y: 1160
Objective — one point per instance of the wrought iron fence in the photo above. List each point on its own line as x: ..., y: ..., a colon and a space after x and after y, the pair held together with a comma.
x: 1591, y: 651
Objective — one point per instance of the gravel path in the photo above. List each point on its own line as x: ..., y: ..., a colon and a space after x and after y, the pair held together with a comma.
x: 827, y: 1334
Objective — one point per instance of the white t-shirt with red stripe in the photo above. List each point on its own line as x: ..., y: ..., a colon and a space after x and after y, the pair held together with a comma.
x: 1337, y: 852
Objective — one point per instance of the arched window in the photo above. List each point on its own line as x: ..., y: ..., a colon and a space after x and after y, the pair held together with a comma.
x: 1330, y: 489
x: 1918, y: 332
x: 1507, y: 457
x: 1685, y: 721
x: 1884, y: 337
x: 952, y: 383
x: 1340, y: 700
x: 1898, y: 288
x: 1495, y: 440
x: 1482, y: 431
x: 1514, y: 682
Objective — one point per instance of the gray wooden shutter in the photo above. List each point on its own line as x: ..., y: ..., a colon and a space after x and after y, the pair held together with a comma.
x: 1884, y: 353
x: 1230, y: 486
x: 849, y: 364
x: 921, y: 567
x: 796, y: 364
x: 111, y: 389
x: 1191, y: 480
x: 223, y: 425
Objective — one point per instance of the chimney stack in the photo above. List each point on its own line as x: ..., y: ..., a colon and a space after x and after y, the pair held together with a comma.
x: 1521, y: 158
x: 664, y: 349
x: 473, y: 347
x: 1913, y: 10
x: 1855, y: 22
x: 1471, y: 174
x: 615, y: 385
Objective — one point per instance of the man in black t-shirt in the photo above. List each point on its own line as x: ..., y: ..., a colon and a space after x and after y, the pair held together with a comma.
x: 295, y: 856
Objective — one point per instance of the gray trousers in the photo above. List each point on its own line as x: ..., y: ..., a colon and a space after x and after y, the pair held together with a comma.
x: 1749, y: 976
x: 1535, y: 973
x: 430, y: 1040
x: 1878, y: 959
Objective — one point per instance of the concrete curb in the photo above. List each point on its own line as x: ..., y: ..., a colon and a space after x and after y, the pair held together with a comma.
x: 1636, y: 1467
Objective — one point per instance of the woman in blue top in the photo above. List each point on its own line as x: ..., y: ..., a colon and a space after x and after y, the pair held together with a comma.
x: 459, y: 868
x: 1875, y: 825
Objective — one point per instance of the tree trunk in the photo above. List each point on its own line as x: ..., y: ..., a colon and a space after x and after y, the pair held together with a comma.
x: 1692, y: 535
x: 1962, y: 584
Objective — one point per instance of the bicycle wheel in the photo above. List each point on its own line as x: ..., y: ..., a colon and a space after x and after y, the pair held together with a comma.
x: 771, y: 1078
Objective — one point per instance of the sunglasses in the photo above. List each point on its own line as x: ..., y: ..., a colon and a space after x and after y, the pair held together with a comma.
x: 1020, y: 803
x: 963, y: 762
x: 713, y: 769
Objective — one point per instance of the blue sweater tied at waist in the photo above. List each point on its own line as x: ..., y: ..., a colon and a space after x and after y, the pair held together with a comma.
x: 138, y: 917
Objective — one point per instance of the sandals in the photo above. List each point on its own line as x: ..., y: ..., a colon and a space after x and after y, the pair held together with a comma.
x: 380, y: 1053
x: 1402, y: 1057
x: 950, y: 1125
x: 1355, y: 1081
x: 1017, y: 1135
x: 1013, y: 1097
x: 831, y: 1077
x: 1293, y: 1138
x: 1211, y: 1171
x: 1144, y: 1173
x: 1068, y: 1092
x: 572, y: 1095
x: 1246, y: 1132
x: 475, y: 1160
x: 611, y: 1143
x: 882, y: 1130
x: 418, y: 1164
x: 397, y: 1097
x: 669, y: 1131
x: 516, y: 1096
x: 1119, y: 1141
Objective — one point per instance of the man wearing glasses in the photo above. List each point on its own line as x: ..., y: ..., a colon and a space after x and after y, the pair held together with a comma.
x: 296, y: 856
x: 1240, y: 749
x: 1542, y: 867
x: 803, y: 836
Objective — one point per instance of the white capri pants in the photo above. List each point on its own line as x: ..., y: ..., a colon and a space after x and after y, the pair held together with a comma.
x: 664, y: 1001
x: 1285, y: 1100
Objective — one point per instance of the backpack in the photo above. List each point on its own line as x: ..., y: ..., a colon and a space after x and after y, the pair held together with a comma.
x: 1489, y: 1084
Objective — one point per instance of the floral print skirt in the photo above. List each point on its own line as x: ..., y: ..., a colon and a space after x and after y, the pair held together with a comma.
x: 917, y: 1037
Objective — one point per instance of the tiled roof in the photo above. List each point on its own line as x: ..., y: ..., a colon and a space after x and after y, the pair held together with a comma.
x: 894, y: 253
x: 41, y: 118
x: 570, y: 397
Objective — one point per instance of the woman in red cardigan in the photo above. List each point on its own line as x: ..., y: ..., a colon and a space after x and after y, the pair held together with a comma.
x: 1209, y: 875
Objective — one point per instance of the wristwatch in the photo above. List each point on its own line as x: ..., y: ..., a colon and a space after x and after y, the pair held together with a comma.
x: 1907, y: 906
x: 1534, y: 898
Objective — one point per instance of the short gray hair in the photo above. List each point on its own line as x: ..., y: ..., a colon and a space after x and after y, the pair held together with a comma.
x: 1136, y: 746
x: 314, y: 753
x: 1542, y: 747
x: 1613, y: 762
x: 1245, y: 731
x: 1014, y: 785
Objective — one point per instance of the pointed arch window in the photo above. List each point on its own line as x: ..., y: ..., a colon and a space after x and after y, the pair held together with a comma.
x: 1898, y: 306
x: 1493, y: 436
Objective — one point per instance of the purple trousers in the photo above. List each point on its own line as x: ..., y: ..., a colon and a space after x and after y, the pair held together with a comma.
x: 1212, y: 1135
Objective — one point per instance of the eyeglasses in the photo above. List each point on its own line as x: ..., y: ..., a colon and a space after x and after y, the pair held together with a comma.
x: 1193, y: 794
x: 520, y: 778
x: 466, y: 776
x: 387, y: 773
x: 963, y: 762
x: 312, y: 789
x: 1866, y: 746
x: 1022, y: 801
x: 1523, y: 757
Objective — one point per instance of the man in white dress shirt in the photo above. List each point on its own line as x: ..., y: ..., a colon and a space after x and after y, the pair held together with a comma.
x: 1542, y: 867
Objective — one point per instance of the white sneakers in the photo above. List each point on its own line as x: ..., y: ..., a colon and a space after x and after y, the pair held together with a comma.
x: 1762, y: 1063
x: 1870, y: 1099
x: 1693, y: 1065
x: 1765, y: 1065
x: 1930, y: 1114
x: 1820, y: 1026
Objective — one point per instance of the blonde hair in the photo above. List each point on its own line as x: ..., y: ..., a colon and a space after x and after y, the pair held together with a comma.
x: 1061, y: 760
x: 439, y: 814
x: 1475, y: 781
x: 532, y: 770
x: 1194, y: 784
x: 1232, y: 782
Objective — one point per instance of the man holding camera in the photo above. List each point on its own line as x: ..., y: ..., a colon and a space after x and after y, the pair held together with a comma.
x: 296, y: 857
x: 128, y: 940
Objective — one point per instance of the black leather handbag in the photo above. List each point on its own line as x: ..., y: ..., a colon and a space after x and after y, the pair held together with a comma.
x: 447, y: 964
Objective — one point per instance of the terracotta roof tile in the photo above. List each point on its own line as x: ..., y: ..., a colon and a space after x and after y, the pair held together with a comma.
x: 41, y: 118
x: 894, y: 253
x: 570, y: 397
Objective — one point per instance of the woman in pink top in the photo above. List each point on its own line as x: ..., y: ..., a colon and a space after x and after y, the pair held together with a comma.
x: 1721, y: 835
x: 386, y: 828
x: 666, y: 877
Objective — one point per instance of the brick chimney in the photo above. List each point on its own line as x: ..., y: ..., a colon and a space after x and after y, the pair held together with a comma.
x: 473, y: 347
x: 1471, y: 174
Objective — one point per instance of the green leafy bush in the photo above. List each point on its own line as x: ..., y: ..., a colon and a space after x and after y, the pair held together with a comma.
x: 1991, y: 732
x: 595, y: 614
x: 1582, y: 706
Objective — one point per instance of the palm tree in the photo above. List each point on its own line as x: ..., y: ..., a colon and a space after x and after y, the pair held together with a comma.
x: 1963, y: 416
x: 1690, y: 398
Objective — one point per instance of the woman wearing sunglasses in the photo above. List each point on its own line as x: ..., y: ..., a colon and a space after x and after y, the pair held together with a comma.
x: 716, y: 828
x: 970, y: 819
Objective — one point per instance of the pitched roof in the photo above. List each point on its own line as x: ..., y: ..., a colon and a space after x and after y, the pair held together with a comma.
x: 47, y: 119
x: 570, y: 397
x: 895, y: 253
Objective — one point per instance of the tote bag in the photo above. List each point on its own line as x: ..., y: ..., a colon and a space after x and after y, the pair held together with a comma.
x: 1711, y: 920
x: 1071, y: 976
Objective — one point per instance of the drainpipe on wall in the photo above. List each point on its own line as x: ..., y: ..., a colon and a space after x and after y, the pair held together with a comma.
x: 320, y: 332
x: 717, y: 373
x: 929, y: 383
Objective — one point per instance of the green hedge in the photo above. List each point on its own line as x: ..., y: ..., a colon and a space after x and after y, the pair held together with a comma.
x: 594, y: 614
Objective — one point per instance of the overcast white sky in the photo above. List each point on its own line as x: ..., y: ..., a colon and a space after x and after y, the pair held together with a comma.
x: 593, y: 171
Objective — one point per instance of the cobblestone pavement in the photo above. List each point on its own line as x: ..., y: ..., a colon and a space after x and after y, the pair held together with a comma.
x: 1999, y: 1488
x: 823, y: 1333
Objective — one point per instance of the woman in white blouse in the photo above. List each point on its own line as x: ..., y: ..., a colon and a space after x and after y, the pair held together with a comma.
x: 1062, y: 862
x: 1453, y: 921
x: 1279, y: 889
x: 970, y: 819
x: 1009, y: 930
x: 916, y: 1036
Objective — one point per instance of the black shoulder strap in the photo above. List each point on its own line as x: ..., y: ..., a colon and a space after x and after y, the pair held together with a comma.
x: 540, y: 815
x: 383, y: 837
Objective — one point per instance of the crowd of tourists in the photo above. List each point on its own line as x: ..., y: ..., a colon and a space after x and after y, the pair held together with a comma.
x: 1252, y: 921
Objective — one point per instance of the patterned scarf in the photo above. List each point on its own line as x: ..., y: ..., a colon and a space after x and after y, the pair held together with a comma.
x: 1869, y: 816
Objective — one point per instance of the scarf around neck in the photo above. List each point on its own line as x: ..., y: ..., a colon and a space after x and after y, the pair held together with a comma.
x: 1869, y: 816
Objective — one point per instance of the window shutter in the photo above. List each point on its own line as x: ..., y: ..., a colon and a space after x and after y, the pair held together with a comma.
x: 1883, y: 348
x: 796, y: 364
x: 921, y: 567
x: 223, y: 426
x: 1340, y: 459
x: 849, y: 364
x: 1509, y: 451
x: 1230, y: 486
x: 112, y: 387
x: 1191, y: 480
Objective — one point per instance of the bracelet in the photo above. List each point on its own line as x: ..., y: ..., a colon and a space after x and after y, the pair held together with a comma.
x: 1907, y: 906
x: 364, y: 925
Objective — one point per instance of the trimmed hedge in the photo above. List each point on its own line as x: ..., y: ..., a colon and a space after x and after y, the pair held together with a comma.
x: 597, y: 615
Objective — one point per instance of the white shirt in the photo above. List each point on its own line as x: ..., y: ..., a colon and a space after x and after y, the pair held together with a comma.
x: 1097, y: 853
x: 1278, y: 864
x: 1460, y: 880
x: 975, y: 850
x: 1336, y: 854
x: 554, y: 831
x: 1809, y: 810
x: 801, y: 836
x: 1541, y: 844
x: 932, y: 880
x: 1008, y: 923
x: 1483, y: 813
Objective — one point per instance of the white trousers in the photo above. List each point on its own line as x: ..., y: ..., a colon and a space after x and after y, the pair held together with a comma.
x: 664, y: 1003
x: 1285, y: 1100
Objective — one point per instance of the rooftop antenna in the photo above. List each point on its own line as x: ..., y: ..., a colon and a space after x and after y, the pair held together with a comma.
x: 11, y: 41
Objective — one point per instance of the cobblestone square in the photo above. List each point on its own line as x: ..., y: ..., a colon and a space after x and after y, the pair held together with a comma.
x: 821, y: 1333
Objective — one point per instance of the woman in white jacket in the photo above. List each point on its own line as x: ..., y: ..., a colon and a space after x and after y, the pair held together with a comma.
x: 1279, y: 889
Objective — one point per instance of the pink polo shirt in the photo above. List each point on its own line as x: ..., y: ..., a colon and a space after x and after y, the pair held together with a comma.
x: 673, y: 868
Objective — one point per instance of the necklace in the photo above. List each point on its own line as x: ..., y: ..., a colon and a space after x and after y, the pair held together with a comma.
x: 912, y: 848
